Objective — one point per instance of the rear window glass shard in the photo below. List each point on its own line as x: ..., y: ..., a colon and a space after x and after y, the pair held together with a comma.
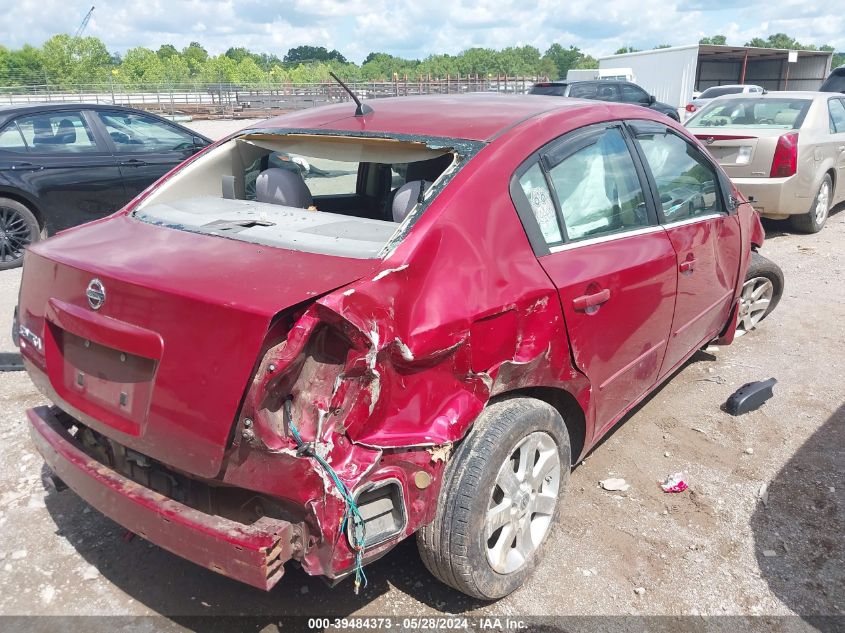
x: 335, y: 193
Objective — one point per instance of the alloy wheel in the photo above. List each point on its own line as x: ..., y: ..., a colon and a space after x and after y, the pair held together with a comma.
x: 823, y: 203
x: 14, y: 235
x: 754, y: 301
x: 522, y: 503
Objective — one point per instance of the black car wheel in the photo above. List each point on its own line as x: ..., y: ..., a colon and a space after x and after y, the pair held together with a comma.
x: 499, y: 499
x: 18, y: 229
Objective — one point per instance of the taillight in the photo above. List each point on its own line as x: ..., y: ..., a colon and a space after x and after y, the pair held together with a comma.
x: 785, y: 162
x: 691, y: 108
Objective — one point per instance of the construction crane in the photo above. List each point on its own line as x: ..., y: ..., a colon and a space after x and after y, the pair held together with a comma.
x: 85, y: 21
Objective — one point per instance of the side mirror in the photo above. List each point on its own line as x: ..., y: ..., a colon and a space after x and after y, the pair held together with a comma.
x: 651, y: 100
x: 199, y: 143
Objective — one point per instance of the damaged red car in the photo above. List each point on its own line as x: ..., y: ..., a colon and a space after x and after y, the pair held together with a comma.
x: 329, y: 332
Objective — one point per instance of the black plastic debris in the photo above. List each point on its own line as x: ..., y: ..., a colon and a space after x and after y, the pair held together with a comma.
x: 750, y: 396
x: 11, y: 361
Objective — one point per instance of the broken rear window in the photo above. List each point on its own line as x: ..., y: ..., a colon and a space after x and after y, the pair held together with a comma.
x: 330, y: 193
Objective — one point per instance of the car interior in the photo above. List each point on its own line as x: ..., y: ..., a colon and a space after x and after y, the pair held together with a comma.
x: 334, y: 194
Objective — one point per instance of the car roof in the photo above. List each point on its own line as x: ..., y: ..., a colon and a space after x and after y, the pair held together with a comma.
x: 474, y: 116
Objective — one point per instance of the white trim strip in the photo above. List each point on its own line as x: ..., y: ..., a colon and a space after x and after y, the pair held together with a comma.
x: 655, y: 228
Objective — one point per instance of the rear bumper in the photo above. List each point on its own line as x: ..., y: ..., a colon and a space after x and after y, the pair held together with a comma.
x: 775, y: 197
x: 254, y: 554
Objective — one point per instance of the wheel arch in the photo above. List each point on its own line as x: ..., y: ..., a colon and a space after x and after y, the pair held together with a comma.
x: 25, y: 201
x: 566, y: 404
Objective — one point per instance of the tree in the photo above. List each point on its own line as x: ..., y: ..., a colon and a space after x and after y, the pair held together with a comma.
x: 141, y: 67
x: 662, y: 46
x: 626, y: 49
x: 303, y: 54
x: 564, y: 58
x: 717, y: 40
x: 219, y: 70
x: 238, y: 54
x: 22, y: 67
x: 249, y: 72
x: 779, y: 40
x: 196, y: 57
x: 166, y: 51
x: 75, y: 60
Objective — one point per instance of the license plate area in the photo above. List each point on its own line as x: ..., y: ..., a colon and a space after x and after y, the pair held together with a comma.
x: 115, y: 382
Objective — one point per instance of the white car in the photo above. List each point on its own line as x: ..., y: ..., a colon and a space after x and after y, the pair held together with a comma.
x: 705, y: 97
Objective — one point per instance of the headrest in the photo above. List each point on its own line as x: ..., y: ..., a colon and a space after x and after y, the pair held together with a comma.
x: 66, y: 134
x: 406, y: 198
x: 282, y: 186
x: 786, y: 117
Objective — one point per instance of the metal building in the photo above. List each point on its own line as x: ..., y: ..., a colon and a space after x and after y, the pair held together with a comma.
x: 672, y: 74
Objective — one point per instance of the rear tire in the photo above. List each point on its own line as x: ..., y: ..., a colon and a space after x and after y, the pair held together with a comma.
x: 814, y: 220
x: 18, y: 229
x: 761, y: 292
x: 499, y: 499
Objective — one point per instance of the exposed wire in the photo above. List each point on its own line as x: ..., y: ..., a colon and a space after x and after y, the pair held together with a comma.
x: 351, y: 512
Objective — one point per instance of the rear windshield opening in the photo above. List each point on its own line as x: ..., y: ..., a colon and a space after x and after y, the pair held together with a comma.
x: 323, y: 193
x: 787, y: 114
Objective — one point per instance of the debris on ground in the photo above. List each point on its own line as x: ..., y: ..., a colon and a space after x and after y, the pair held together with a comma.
x: 674, y: 483
x: 639, y: 590
x: 749, y: 451
x: 750, y: 396
x: 763, y: 494
x: 769, y: 553
x: 614, y: 484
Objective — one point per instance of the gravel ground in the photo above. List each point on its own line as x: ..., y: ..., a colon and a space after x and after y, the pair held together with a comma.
x: 715, y: 549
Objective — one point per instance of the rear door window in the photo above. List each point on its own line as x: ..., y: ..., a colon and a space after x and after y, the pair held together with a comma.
x: 583, y: 91
x: 598, y: 188
x: 62, y: 132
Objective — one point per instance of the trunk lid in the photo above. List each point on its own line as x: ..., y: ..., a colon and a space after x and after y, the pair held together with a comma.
x: 163, y: 364
x: 741, y: 152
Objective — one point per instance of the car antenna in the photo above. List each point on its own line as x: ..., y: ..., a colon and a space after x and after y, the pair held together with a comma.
x: 362, y: 108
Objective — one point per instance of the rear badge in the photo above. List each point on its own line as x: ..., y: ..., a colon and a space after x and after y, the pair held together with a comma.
x: 96, y: 293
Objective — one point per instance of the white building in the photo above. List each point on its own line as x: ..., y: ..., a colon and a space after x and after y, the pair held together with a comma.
x: 672, y: 74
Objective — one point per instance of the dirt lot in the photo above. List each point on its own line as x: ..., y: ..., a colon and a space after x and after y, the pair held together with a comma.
x: 715, y: 549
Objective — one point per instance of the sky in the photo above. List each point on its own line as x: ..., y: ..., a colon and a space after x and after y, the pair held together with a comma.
x: 418, y: 28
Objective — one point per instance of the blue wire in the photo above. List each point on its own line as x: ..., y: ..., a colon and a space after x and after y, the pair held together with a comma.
x: 351, y: 510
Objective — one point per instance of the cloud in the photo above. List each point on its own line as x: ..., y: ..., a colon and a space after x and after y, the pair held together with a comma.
x: 418, y: 28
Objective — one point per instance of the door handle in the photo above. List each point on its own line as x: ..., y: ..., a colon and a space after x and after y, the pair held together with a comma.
x: 687, y: 267
x: 132, y: 162
x: 585, y: 302
x: 27, y: 167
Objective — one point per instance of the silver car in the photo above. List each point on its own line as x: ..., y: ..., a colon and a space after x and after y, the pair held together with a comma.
x: 785, y: 151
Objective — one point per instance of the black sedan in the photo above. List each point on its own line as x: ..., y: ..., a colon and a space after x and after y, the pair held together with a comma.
x: 604, y: 90
x: 62, y: 165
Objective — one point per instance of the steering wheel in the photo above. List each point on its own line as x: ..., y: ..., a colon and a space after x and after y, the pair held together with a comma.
x: 766, y: 120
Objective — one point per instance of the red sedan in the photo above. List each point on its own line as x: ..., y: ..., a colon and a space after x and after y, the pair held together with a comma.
x: 328, y: 332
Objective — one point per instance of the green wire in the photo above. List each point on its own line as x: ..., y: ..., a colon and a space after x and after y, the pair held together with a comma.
x: 351, y: 511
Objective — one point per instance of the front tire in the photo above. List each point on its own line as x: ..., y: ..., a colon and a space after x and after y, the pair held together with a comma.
x: 499, y: 499
x: 761, y: 292
x: 18, y: 229
x: 814, y: 220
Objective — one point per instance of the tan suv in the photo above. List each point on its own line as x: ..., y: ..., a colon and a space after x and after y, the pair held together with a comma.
x: 785, y: 151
